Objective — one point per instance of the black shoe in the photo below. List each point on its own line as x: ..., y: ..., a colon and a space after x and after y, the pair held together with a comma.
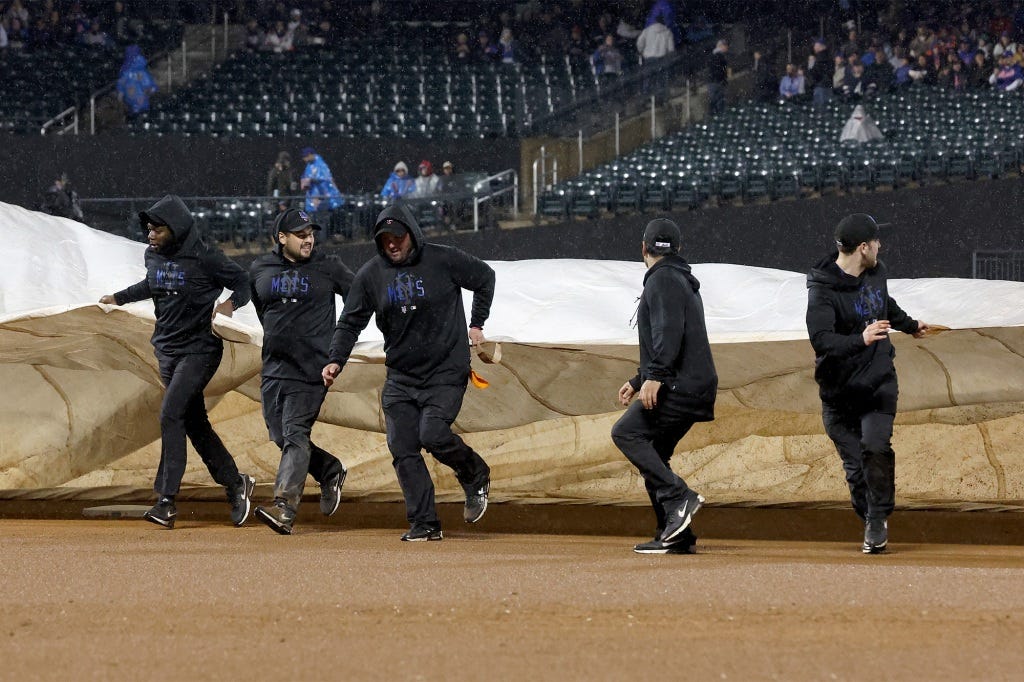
x: 330, y: 492
x: 876, y: 536
x: 680, y: 515
x: 421, y: 532
x: 240, y: 498
x: 476, y: 502
x: 279, y: 517
x: 685, y: 543
x: 162, y: 513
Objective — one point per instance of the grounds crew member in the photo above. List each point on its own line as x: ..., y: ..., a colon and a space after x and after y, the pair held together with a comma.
x: 293, y: 290
x: 184, y: 277
x: 415, y: 290
x: 676, y: 385
x: 849, y: 316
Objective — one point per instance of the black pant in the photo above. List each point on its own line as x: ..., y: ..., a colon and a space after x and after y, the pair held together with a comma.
x: 183, y: 413
x: 716, y: 98
x: 648, y: 438
x: 290, y: 408
x: 418, y: 418
x: 862, y: 434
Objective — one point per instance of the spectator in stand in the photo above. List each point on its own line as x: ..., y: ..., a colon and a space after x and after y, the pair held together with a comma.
x: 60, y: 200
x: 952, y: 75
x: 901, y: 72
x: 851, y: 46
x: 40, y: 37
x: 96, y: 37
x: 280, y: 39
x: 508, y: 48
x: 792, y: 84
x: 607, y: 60
x: 654, y: 44
x: 922, y: 42
x: 254, y: 35
x: 462, y: 52
x: 577, y: 48
x: 838, y: 73
x: 322, y: 34
x: 1008, y: 76
x: 17, y: 34
x: 448, y: 185
x: 485, y: 51
x: 718, y: 77
x: 135, y: 84
x: 321, y: 192
x: 16, y: 10
x: 880, y: 72
x: 1005, y: 44
x: 818, y: 74
x: 398, y: 184
x: 427, y: 183
x: 855, y: 86
x: 603, y: 28
x: 980, y: 70
x: 965, y: 53
x: 121, y: 24
x: 922, y: 72
x: 664, y: 11
x: 984, y: 47
x: 765, y: 88
x: 281, y: 181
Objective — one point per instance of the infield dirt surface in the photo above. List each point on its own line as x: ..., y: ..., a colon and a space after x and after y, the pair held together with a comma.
x: 124, y: 600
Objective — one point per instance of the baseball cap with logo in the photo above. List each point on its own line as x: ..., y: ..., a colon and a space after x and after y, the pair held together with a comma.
x: 390, y: 226
x: 662, y: 233
x: 856, y: 229
x: 294, y: 220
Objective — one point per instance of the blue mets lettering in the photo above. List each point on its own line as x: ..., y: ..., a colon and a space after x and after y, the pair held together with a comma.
x: 169, y: 276
x: 289, y: 283
x: 870, y: 303
x: 404, y: 288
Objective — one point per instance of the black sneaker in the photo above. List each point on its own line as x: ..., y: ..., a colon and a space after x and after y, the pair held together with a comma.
x: 476, y: 502
x: 162, y: 513
x: 240, y: 498
x: 421, y: 532
x: 876, y: 536
x: 679, y: 516
x: 330, y: 492
x: 279, y: 517
x: 685, y: 543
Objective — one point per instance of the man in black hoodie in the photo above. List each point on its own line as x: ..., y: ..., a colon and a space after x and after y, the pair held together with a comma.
x: 184, y: 277
x: 415, y: 290
x: 293, y: 290
x: 849, y: 316
x: 677, y: 385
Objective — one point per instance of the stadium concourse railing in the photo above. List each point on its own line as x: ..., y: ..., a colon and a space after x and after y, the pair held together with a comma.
x: 245, y: 222
x: 1008, y: 265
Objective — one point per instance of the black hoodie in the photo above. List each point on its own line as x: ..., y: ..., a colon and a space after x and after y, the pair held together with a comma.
x: 418, y: 307
x: 674, y: 347
x: 184, y: 280
x: 295, y: 303
x: 839, y: 308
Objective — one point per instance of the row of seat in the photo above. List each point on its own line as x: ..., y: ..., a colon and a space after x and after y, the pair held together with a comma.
x: 786, y: 149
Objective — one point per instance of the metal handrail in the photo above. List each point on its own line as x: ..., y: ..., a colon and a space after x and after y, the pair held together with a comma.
x: 477, y: 199
x: 70, y: 111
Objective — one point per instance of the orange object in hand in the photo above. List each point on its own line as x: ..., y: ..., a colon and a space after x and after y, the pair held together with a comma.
x: 478, y: 380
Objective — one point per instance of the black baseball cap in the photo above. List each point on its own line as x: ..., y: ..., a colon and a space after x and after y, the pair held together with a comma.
x: 294, y: 220
x: 662, y: 233
x: 390, y: 226
x: 856, y: 229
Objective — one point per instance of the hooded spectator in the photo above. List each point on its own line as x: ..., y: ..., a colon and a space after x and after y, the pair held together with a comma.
x: 426, y: 184
x: 321, y: 192
x: 398, y: 184
x: 135, y: 84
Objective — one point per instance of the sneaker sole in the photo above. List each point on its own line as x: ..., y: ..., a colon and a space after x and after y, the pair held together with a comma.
x: 271, y: 522
x: 337, y: 500
x: 169, y: 524
x: 687, y: 520
x: 873, y: 549
x: 250, y: 485
x: 668, y: 550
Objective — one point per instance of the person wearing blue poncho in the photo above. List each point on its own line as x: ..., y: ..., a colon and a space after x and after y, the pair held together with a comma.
x: 135, y: 84
x: 321, y: 192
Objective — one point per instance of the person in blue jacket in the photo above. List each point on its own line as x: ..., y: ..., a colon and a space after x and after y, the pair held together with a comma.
x: 135, y: 84
x: 398, y: 184
x: 321, y: 192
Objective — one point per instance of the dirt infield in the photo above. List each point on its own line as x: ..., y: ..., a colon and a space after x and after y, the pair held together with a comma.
x: 122, y: 600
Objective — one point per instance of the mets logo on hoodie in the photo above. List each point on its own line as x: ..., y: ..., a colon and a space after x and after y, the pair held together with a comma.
x: 404, y: 290
x: 170, y: 278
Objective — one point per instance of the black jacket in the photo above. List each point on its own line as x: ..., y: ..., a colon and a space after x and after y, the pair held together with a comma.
x: 418, y: 307
x: 839, y: 307
x: 185, y: 280
x: 295, y: 303
x: 674, y: 346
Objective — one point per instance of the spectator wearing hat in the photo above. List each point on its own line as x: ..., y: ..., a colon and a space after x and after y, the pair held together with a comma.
x: 818, y: 74
x: 849, y: 317
x: 427, y: 183
x: 448, y: 186
x: 1004, y: 45
x: 398, y: 184
x: 294, y: 289
x: 1008, y: 76
x: 676, y: 386
x: 281, y: 181
x: 321, y: 192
